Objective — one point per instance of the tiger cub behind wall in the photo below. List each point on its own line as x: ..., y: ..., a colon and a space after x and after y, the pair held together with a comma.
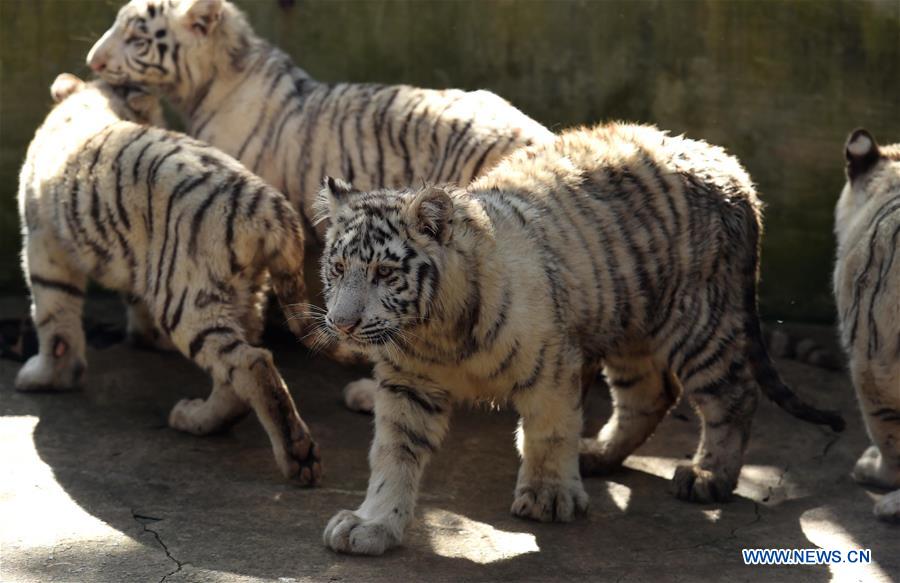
x: 618, y: 245
x: 176, y: 224
x: 867, y: 291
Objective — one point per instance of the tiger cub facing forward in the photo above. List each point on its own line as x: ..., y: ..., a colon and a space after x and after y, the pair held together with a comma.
x: 618, y: 245
x: 178, y: 225
x: 867, y: 290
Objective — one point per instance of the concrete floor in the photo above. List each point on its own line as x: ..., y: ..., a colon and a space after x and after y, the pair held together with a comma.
x: 95, y: 487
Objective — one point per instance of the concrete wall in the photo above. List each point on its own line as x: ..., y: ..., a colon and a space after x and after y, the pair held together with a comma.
x: 779, y: 83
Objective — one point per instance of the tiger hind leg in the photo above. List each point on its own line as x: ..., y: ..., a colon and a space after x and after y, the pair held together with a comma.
x: 243, y: 374
x: 724, y: 394
x: 642, y: 395
x: 57, y: 296
x: 879, y: 399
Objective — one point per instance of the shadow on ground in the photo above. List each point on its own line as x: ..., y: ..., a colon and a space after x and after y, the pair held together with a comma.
x: 97, y: 488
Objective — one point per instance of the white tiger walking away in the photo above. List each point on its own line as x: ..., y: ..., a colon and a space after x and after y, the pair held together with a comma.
x: 867, y: 290
x: 182, y: 228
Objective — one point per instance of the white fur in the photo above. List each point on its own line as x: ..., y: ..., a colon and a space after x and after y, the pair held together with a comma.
x: 867, y: 293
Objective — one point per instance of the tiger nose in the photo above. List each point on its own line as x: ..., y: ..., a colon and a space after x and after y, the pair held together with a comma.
x: 345, y: 326
x: 96, y: 58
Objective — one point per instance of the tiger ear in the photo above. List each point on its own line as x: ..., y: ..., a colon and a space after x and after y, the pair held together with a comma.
x: 862, y: 153
x: 430, y: 212
x: 65, y: 85
x: 201, y: 16
x: 332, y: 196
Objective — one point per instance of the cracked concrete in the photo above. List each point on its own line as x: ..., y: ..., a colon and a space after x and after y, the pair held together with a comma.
x: 147, y: 520
x: 96, y: 488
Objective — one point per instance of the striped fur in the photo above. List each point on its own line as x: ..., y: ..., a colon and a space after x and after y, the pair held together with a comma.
x: 181, y: 228
x: 616, y: 246
x: 867, y: 290
x: 248, y: 99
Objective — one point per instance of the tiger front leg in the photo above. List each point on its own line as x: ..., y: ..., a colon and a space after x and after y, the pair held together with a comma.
x: 549, y: 486
x: 57, y: 296
x: 410, y: 424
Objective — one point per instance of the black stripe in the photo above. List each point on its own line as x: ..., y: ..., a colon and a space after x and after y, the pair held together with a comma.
x: 204, y: 207
x: 176, y: 317
x: 416, y: 439
x: 413, y: 396
x: 197, y: 343
x: 229, y: 225
x: 62, y: 286
x: 535, y: 373
x: 230, y: 347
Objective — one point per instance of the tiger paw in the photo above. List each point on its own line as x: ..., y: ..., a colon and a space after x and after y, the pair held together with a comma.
x: 888, y: 508
x: 301, y: 461
x: 60, y: 372
x: 872, y: 470
x: 593, y: 461
x: 347, y: 532
x: 695, y: 484
x: 200, y: 417
x: 359, y: 395
x: 556, y: 501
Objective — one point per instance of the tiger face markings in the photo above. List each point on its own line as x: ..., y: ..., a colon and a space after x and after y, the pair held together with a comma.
x: 151, y: 39
x: 186, y: 233
x: 867, y: 293
x: 552, y: 264
x: 382, y: 276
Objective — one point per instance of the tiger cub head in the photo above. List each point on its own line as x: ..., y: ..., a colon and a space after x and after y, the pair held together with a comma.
x: 124, y: 102
x: 384, y: 259
x: 172, y: 45
x: 872, y: 170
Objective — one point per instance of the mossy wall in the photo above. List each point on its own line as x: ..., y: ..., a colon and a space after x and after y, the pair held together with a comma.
x: 778, y: 83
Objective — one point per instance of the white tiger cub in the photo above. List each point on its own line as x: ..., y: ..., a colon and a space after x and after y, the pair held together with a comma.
x: 867, y: 290
x: 617, y: 245
x: 180, y: 226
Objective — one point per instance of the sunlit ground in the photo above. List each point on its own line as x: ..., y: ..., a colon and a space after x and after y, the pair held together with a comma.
x: 36, y: 512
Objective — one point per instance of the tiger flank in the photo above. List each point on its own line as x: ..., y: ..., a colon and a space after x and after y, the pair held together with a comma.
x: 617, y: 245
x: 867, y: 290
x: 182, y: 228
